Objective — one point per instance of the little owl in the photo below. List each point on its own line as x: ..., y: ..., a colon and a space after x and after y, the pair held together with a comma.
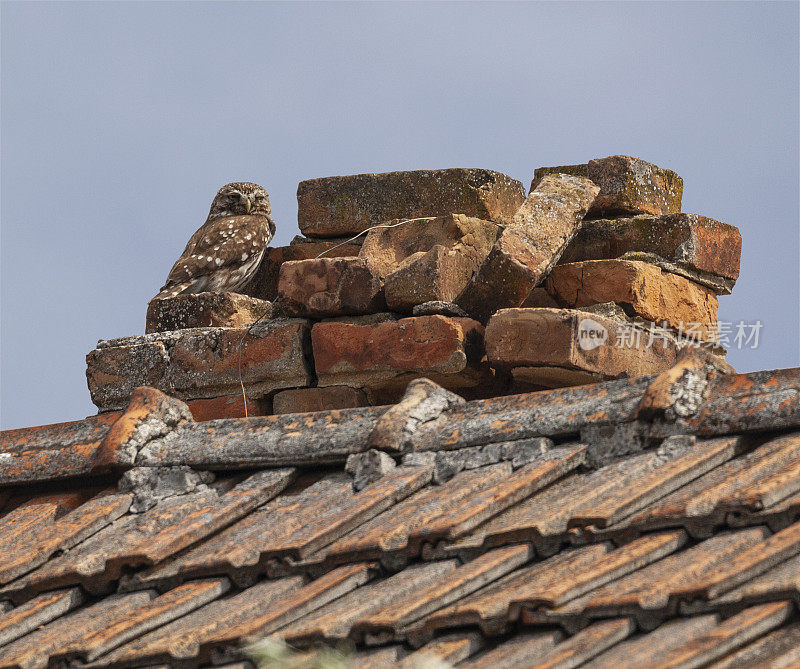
x: 224, y: 254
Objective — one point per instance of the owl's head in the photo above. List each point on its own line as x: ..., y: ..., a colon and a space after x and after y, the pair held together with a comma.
x: 240, y: 198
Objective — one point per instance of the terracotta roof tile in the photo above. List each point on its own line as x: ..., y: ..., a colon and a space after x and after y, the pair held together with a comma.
x: 53, y: 451
x: 746, y: 564
x: 749, y: 483
x: 440, y: 512
x: 259, y: 610
x: 38, y: 611
x: 33, y: 650
x: 549, y: 583
x: 451, y: 648
x: 334, y: 621
x: 780, y: 648
x: 599, y: 498
x: 144, y: 539
x: 43, y: 539
x: 779, y: 582
x: 553, y: 562
x: 644, y: 650
x: 727, y: 635
x: 738, y: 403
x: 777, y: 516
x: 523, y: 650
x: 143, y: 618
x: 387, y: 622
x: 290, y: 526
x: 651, y: 594
x: 586, y: 644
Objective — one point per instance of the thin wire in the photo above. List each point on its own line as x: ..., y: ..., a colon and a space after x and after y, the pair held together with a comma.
x: 261, y: 317
x: 374, y: 227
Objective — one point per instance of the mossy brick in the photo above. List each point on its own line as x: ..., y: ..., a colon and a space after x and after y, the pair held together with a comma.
x: 627, y: 186
x: 527, y: 248
x: 705, y: 249
x: 199, y: 310
x: 347, y: 205
x: 201, y: 363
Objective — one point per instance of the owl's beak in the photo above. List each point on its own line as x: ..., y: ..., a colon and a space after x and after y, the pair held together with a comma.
x: 248, y: 203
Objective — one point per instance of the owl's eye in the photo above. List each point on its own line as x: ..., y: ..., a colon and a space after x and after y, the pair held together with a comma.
x: 260, y: 197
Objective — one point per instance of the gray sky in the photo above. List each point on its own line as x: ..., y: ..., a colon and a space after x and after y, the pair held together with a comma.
x: 121, y: 120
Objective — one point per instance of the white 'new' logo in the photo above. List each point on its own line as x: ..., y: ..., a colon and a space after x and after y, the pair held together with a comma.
x: 591, y: 334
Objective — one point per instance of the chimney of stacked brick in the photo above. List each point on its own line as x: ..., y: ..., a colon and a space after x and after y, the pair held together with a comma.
x: 487, y: 292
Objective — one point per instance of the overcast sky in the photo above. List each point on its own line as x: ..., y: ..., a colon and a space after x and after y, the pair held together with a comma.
x: 121, y: 120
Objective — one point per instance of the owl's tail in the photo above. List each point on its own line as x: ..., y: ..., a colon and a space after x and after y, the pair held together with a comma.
x: 172, y: 291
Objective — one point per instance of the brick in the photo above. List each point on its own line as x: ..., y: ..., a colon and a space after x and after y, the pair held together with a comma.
x: 265, y: 283
x: 388, y: 248
x: 530, y: 246
x: 440, y: 275
x: 536, y: 343
x: 346, y: 205
x: 699, y: 247
x: 200, y: 363
x: 653, y: 294
x: 113, y: 373
x: 204, y: 310
x: 431, y: 260
x: 447, y: 350
x: 205, y: 364
x: 230, y: 406
x: 303, y: 400
x: 627, y: 186
x: 330, y: 287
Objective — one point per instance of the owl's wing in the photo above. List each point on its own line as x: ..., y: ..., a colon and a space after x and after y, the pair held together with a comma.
x: 226, y: 241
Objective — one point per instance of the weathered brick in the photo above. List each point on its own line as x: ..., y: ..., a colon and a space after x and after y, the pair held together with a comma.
x: 229, y: 406
x: 330, y: 287
x: 204, y: 310
x: 302, y: 400
x: 388, y: 248
x: 201, y: 363
x: 346, y: 205
x: 431, y: 260
x: 114, y: 373
x: 652, y: 294
x: 529, y: 246
x: 447, y: 350
x: 440, y: 275
x: 552, y: 347
x: 701, y: 248
x: 627, y: 185
x: 205, y: 363
x: 265, y: 283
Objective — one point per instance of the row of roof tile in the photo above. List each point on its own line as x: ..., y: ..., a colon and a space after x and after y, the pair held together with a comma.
x: 682, y: 554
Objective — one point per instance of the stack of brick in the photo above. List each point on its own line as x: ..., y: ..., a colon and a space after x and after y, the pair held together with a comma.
x: 454, y: 275
x: 648, y: 275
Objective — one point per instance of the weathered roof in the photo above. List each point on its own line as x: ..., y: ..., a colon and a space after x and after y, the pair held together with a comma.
x: 645, y: 522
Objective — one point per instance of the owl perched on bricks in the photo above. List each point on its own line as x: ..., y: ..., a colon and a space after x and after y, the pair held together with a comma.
x: 224, y: 254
